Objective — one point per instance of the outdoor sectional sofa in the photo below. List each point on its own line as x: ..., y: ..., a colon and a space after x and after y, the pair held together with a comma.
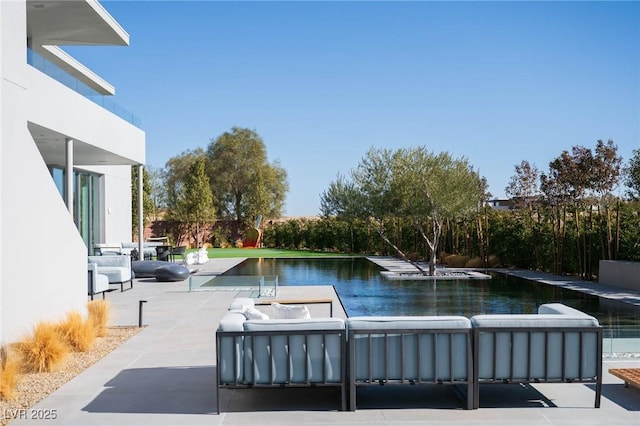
x: 409, y: 350
x: 558, y: 345
x: 117, y: 268
x: 279, y: 352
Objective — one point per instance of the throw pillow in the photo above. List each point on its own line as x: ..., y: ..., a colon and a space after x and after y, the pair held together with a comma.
x: 240, y: 302
x: 254, y: 314
x: 290, y: 311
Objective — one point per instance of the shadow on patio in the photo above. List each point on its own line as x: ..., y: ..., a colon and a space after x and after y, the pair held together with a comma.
x: 380, y: 397
x: 192, y: 390
x: 627, y: 398
x: 162, y: 390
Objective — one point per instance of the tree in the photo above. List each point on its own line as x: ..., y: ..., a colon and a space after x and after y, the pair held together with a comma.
x: 523, y: 190
x: 605, y: 177
x: 434, y: 189
x: 158, y: 192
x: 147, y: 202
x: 368, y: 195
x: 632, y: 175
x: 194, y: 202
x: 176, y: 172
x: 343, y: 199
x: 243, y: 182
x: 268, y: 195
x: 564, y: 189
x: 523, y: 186
x: 197, y: 202
x: 573, y: 181
x: 605, y: 171
x: 407, y: 184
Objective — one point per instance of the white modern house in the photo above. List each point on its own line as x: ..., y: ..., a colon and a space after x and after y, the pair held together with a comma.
x: 66, y: 152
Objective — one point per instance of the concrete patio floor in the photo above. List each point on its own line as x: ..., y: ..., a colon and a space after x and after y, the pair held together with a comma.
x: 165, y: 375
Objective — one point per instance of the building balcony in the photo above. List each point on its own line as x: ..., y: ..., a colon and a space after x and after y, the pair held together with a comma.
x: 52, y: 70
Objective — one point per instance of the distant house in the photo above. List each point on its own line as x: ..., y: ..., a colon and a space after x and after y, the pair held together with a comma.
x: 66, y: 152
x: 501, y: 203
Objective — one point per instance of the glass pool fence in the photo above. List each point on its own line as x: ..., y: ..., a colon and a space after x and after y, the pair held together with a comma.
x: 255, y: 285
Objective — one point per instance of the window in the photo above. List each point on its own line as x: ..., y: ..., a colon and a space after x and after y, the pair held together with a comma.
x: 86, y: 196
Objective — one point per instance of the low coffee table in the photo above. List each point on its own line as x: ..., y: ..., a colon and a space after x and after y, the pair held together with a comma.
x: 631, y: 376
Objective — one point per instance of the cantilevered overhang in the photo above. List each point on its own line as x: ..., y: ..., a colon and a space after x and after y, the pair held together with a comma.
x: 72, y: 22
x: 51, y: 145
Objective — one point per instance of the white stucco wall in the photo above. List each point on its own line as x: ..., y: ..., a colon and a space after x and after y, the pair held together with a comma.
x: 115, y: 202
x: 1, y: 156
x: 43, y: 274
x: 43, y: 260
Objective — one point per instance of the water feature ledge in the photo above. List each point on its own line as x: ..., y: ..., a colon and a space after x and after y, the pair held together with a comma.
x: 398, y: 269
x: 441, y: 275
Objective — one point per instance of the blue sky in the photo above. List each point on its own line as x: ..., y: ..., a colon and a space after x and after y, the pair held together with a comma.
x: 322, y: 82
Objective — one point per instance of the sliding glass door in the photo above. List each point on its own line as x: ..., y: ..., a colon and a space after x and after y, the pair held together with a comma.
x: 85, y: 202
x: 86, y: 196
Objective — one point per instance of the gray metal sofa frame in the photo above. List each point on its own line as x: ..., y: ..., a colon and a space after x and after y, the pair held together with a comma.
x: 409, y: 350
x: 280, y: 358
x: 536, y: 354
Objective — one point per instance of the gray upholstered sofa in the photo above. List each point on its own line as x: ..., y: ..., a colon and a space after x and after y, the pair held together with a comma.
x: 279, y: 352
x: 117, y: 268
x: 149, y: 248
x: 409, y: 350
x: 558, y: 345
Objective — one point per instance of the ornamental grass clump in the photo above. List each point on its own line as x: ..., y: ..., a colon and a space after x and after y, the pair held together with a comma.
x: 79, y: 333
x: 9, y: 373
x: 44, y: 350
x: 99, y: 312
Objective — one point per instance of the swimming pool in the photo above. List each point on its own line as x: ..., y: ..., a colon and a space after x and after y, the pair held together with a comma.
x: 364, y: 291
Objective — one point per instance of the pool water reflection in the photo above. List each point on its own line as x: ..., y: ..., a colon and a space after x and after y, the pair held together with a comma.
x: 364, y: 291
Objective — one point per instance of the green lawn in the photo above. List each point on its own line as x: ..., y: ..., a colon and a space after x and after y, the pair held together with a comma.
x: 265, y: 252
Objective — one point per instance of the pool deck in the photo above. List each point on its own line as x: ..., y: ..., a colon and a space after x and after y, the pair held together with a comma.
x: 165, y: 375
x: 604, y: 291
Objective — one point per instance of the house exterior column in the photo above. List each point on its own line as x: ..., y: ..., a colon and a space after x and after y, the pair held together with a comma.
x: 68, y: 175
x: 140, y: 212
